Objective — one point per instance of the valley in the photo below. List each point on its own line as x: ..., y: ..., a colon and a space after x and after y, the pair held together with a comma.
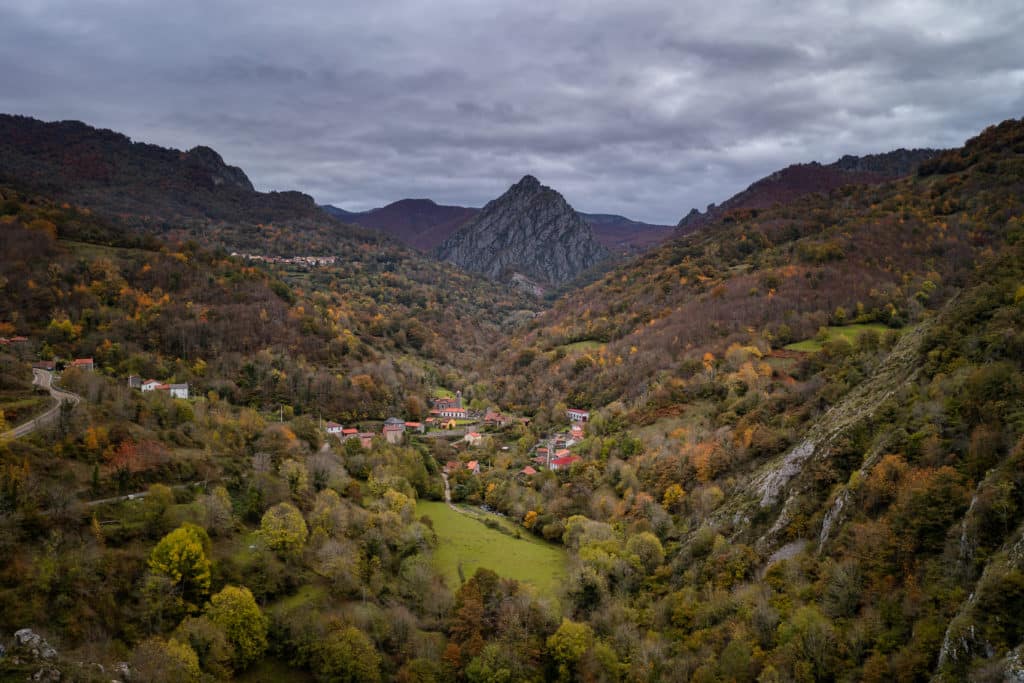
x: 783, y: 443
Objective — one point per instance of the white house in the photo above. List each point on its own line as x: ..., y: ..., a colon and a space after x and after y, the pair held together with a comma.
x: 577, y: 415
x: 178, y: 390
x: 333, y: 428
x: 150, y: 385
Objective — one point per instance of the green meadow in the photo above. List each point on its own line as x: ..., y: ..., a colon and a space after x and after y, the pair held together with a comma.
x: 466, y: 539
x: 847, y: 332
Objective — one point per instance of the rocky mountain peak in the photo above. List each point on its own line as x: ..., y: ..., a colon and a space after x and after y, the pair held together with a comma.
x: 530, y: 230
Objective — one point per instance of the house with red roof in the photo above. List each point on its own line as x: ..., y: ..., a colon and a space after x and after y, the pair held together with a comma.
x: 564, y: 462
x: 452, y: 466
x: 83, y: 363
x: 473, y: 466
x: 415, y: 426
x: 577, y: 415
x: 473, y: 438
x: 150, y: 385
x: 528, y: 471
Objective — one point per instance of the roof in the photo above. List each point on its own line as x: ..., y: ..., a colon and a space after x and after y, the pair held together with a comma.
x: 561, y: 453
x: 350, y: 430
x: 394, y: 421
x: 473, y: 434
x: 452, y: 465
x: 329, y: 425
x: 413, y: 424
x: 528, y: 471
x: 82, y: 361
x: 180, y: 386
x: 472, y: 465
x: 565, y: 461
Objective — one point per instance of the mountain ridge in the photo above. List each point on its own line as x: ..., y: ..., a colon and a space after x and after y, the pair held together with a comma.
x: 530, y: 230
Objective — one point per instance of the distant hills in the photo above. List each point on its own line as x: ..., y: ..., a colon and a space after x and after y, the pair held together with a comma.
x: 529, y: 231
x: 798, y: 180
x: 420, y: 223
x: 423, y: 224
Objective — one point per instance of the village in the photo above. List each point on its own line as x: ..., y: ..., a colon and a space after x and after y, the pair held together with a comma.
x: 468, y: 430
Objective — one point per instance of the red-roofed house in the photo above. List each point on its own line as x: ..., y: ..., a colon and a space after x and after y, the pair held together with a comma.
x: 366, y: 439
x: 577, y: 415
x: 415, y: 426
x: 528, y: 471
x: 150, y: 385
x: 452, y: 466
x: 452, y: 412
x: 494, y: 418
x: 473, y: 466
x: 83, y: 363
x: 564, y: 462
x: 45, y: 365
x: 473, y: 438
x: 349, y: 433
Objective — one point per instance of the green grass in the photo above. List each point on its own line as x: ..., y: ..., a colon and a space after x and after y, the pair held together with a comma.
x: 441, y: 392
x: 18, y: 408
x: 847, y: 332
x: 271, y: 670
x: 464, y: 539
x: 585, y: 345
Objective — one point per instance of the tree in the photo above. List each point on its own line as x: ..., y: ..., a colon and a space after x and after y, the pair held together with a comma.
x: 347, y: 656
x: 568, y: 644
x: 235, y: 610
x: 164, y: 661
x: 284, y: 529
x: 208, y: 641
x: 159, y: 497
x: 647, y: 548
x: 181, y: 557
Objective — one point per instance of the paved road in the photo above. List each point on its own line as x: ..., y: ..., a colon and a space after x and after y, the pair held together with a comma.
x: 44, y: 379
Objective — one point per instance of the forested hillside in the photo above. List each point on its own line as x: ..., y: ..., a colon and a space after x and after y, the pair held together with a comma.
x: 795, y: 451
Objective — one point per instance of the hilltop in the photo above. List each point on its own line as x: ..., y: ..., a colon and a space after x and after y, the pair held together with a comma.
x: 530, y: 231
x: 799, y: 180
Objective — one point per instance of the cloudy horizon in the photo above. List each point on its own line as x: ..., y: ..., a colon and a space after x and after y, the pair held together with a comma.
x: 643, y: 110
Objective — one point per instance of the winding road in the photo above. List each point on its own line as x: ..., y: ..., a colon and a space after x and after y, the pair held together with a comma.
x: 43, y: 379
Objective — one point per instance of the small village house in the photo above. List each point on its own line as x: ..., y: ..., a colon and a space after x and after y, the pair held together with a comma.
x: 473, y: 438
x: 415, y: 427
x: 393, y: 430
x: 333, y: 428
x: 577, y: 415
x: 473, y: 466
x: 83, y: 364
x: 150, y: 385
x: 178, y: 390
x: 134, y: 382
x: 564, y: 462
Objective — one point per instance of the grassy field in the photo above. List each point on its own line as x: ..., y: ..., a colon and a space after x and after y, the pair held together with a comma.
x: 586, y: 345
x: 847, y: 332
x: 462, y: 538
x: 22, y: 406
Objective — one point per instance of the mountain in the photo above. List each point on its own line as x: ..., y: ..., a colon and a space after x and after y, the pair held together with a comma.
x: 531, y: 231
x: 798, y: 180
x: 420, y: 223
x: 624, y: 235
x: 423, y: 224
x: 168, y: 192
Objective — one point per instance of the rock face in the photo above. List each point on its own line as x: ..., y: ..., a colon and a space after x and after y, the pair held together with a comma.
x: 530, y: 230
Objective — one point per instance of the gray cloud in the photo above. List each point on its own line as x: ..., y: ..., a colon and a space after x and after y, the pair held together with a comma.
x: 640, y: 108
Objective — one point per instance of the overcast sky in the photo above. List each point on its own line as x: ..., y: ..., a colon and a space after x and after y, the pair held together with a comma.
x: 640, y: 108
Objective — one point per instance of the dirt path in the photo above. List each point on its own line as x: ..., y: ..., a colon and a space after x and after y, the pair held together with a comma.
x: 44, y: 379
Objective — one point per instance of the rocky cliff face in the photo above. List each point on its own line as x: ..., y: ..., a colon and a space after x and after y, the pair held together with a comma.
x: 530, y: 230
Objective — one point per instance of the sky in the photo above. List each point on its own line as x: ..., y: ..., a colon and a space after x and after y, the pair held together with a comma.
x: 644, y: 109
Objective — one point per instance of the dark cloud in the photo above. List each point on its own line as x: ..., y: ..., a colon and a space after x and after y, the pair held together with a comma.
x: 640, y: 108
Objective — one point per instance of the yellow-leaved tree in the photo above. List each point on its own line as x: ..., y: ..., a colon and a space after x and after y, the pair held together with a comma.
x: 181, y: 558
x: 236, y: 612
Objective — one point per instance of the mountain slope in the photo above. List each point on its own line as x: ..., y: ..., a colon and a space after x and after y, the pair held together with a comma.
x: 423, y: 224
x: 798, y: 180
x: 420, y: 223
x: 530, y: 230
x: 180, y: 195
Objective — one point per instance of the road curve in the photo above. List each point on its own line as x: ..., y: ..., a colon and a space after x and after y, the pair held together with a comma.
x: 44, y: 379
